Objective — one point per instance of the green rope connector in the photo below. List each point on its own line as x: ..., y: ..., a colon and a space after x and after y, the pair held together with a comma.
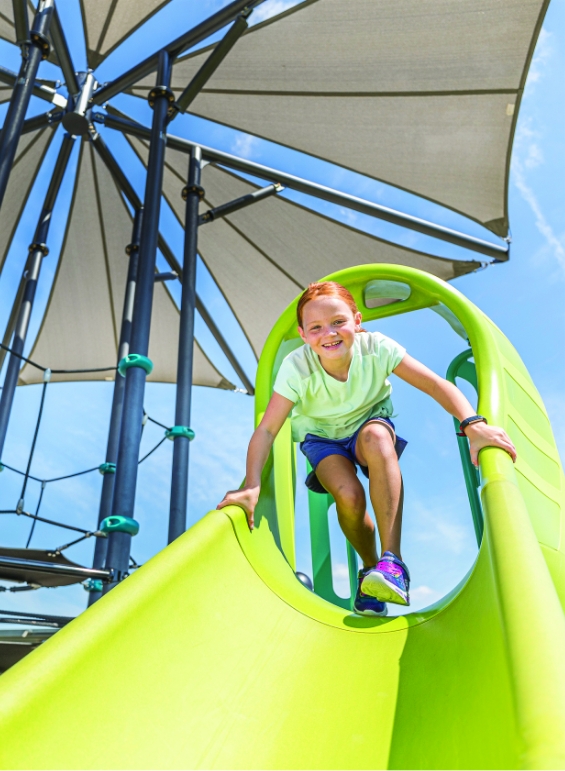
x: 93, y: 585
x: 119, y: 524
x: 135, y: 360
x: 107, y: 468
x: 1, y: 467
x: 172, y: 433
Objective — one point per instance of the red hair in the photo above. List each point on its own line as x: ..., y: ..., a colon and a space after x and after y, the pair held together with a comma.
x: 325, y: 289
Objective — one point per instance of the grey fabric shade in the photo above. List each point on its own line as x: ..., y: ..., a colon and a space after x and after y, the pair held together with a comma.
x: 421, y: 94
x: 264, y: 255
x: 81, y: 326
x: 29, y: 156
x: 7, y: 28
x: 108, y: 22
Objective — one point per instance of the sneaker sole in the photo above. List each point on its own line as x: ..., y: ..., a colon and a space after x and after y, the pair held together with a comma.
x: 371, y: 612
x: 378, y: 587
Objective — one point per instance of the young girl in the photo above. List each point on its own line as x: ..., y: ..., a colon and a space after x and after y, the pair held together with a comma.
x: 336, y: 386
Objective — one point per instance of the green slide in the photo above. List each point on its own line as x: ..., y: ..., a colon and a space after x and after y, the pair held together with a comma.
x: 159, y: 674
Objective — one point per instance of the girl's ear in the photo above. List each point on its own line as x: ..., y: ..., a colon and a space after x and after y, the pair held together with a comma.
x: 358, y: 318
x: 301, y: 333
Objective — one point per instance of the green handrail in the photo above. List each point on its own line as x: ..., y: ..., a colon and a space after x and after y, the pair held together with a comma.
x: 463, y: 368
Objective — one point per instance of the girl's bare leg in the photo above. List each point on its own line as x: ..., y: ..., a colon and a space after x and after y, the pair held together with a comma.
x: 375, y: 449
x: 337, y: 475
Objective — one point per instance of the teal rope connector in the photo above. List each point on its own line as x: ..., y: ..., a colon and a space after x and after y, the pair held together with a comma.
x: 93, y: 585
x: 1, y: 467
x: 107, y: 468
x: 172, y: 433
x: 119, y: 524
x: 135, y: 360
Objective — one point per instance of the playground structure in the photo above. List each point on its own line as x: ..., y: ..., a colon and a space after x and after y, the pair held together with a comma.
x: 258, y: 232
x: 472, y: 682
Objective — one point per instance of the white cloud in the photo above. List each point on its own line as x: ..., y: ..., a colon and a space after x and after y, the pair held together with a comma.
x: 437, y: 526
x: 340, y: 575
x: 543, y: 53
x: 554, y: 242
x: 270, y: 8
x: 243, y: 145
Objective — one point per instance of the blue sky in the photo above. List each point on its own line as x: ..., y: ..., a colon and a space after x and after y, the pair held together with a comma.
x: 524, y: 297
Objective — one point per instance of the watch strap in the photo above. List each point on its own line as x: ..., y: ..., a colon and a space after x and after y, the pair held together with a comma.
x: 469, y: 421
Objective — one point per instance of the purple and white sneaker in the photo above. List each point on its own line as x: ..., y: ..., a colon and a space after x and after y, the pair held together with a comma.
x: 389, y: 581
x: 364, y: 604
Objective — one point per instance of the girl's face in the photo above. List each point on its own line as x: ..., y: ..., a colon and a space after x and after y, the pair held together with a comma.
x: 329, y: 327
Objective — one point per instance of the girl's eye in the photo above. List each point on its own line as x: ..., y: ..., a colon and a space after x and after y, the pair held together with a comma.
x: 339, y: 321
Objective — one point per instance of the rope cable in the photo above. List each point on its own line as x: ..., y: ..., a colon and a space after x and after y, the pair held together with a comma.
x: 56, y: 371
x: 33, y: 524
x: 34, y: 440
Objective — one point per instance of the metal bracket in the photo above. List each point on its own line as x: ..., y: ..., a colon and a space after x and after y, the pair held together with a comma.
x: 159, y: 91
x: 41, y: 41
x: 198, y: 189
x: 130, y: 248
x: 43, y: 248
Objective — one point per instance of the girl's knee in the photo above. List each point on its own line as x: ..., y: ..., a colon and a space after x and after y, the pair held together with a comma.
x: 376, y: 437
x: 350, y: 501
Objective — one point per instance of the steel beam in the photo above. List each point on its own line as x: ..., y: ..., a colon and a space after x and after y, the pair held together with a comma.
x: 37, y: 50
x: 37, y: 251
x: 167, y: 253
x: 193, y: 193
x: 64, y: 55
x: 107, y: 496
x: 127, y: 188
x: 189, y: 39
x: 55, y: 568
x: 41, y: 90
x: 497, y: 251
x: 212, y: 63
x: 239, y: 203
x: 130, y: 433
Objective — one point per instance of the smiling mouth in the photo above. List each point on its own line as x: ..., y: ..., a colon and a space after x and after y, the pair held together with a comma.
x: 331, y: 346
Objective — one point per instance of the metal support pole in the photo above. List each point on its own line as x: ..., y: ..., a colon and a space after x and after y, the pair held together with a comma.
x: 239, y: 203
x: 101, y: 547
x: 23, y: 89
x: 37, y: 251
x: 135, y: 376
x: 498, y: 251
x: 212, y: 63
x: 11, y: 324
x: 187, y: 40
x: 179, y: 481
x: 125, y: 185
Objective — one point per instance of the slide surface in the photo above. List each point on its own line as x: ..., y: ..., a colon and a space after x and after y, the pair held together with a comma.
x: 213, y: 655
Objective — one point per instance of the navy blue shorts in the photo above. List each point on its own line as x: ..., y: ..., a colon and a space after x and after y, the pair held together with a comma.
x: 316, y: 448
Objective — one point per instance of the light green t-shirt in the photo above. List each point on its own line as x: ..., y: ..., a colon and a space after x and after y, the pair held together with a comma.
x: 327, y: 407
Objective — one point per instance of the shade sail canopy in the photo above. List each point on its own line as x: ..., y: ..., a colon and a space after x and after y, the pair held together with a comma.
x: 264, y: 255
x: 81, y: 327
x: 108, y: 22
x: 7, y: 27
x: 421, y: 94
x: 29, y: 157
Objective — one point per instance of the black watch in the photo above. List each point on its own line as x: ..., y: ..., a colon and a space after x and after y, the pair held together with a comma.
x: 468, y: 421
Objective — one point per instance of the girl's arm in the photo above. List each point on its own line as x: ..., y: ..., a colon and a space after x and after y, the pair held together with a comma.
x: 453, y: 400
x: 260, y: 445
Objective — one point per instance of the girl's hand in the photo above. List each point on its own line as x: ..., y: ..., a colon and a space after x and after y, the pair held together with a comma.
x: 246, y: 498
x: 482, y: 435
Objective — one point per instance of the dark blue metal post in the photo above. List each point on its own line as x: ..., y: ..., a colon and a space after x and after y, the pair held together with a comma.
x: 179, y: 482
x: 23, y: 89
x: 37, y: 251
x: 160, y: 98
x: 109, y: 467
